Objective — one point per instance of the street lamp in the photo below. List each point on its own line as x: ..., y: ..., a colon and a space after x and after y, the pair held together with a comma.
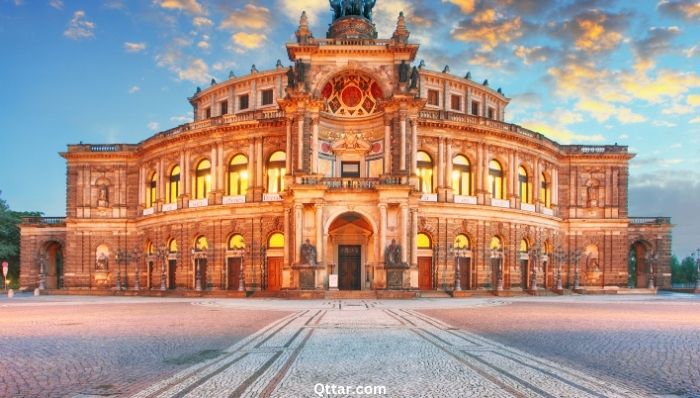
x: 135, y: 255
x: 122, y: 256
x: 42, y: 271
x: 458, y: 252
x: 575, y: 256
x: 560, y: 255
x: 651, y: 258
x: 498, y: 254
x: 161, y: 254
x: 535, y: 253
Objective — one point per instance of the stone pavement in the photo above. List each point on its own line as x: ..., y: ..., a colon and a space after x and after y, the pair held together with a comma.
x: 488, y: 347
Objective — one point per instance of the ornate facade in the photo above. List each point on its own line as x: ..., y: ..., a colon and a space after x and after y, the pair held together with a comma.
x: 353, y: 169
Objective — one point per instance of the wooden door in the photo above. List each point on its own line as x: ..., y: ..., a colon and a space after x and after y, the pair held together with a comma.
x: 349, y: 267
x: 274, y: 273
x: 151, y: 275
x: 425, y: 274
x: 465, y: 273
x: 234, y: 272
x: 524, y: 274
x: 172, y: 267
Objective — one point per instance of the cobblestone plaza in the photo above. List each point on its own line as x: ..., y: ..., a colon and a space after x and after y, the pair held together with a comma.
x: 585, y: 346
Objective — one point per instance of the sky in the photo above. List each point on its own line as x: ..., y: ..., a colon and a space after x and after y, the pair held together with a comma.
x: 580, y: 72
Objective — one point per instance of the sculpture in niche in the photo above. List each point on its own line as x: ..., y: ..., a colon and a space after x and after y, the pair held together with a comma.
x: 103, y: 196
x: 308, y: 253
x: 102, y: 263
x: 392, y: 254
x: 592, y: 191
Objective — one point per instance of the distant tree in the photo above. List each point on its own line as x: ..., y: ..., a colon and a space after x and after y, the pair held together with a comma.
x: 9, y: 238
x: 675, y: 270
x: 684, y: 271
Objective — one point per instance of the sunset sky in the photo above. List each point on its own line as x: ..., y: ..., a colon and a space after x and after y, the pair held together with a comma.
x: 589, y: 72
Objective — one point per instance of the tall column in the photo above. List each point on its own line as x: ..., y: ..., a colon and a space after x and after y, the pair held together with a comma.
x: 214, y: 171
x: 142, y: 186
x: 441, y: 164
x: 555, y: 186
x: 382, y: 229
x: 319, y: 234
x: 513, y: 167
x: 259, y: 162
x: 314, y: 143
x: 300, y: 142
x: 402, y: 160
x: 222, y: 167
x: 448, y: 163
x: 286, y: 236
x: 404, y: 232
x: 251, y: 162
x: 414, y: 235
x: 183, y: 177
x: 535, y: 183
x: 162, y: 180
x: 187, y: 174
x: 387, y: 145
x: 414, y: 145
x: 288, y: 150
x: 298, y: 219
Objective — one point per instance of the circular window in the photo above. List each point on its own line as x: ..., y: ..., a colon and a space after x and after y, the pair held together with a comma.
x: 351, y: 95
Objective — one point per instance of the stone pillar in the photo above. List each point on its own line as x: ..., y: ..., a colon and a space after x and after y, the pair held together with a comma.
x: 286, y: 274
x: 222, y: 169
x: 251, y: 163
x: 187, y: 174
x: 441, y: 163
x: 414, y: 145
x: 382, y: 230
x: 536, y: 185
x: 448, y: 164
x: 259, y: 162
x: 314, y: 144
x: 555, y: 187
x: 142, y: 186
x: 213, y: 172
x: 288, y: 148
x: 404, y: 232
x: 387, y: 145
x: 183, y: 176
x: 298, y: 228
x: 300, y: 142
x: 402, y: 160
x: 162, y: 180
x: 513, y: 188
x: 414, y: 235
x: 319, y: 234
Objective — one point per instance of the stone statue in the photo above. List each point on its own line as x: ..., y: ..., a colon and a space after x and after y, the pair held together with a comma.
x: 360, y: 8
x: 103, y: 196
x: 403, y: 72
x: 392, y: 254
x: 102, y: 263
x: 308, y: 253
x: 301, y: 71
x: 367, y: 8
x: 414, y: 78
x: 337, y: 7
x: 291, y: 81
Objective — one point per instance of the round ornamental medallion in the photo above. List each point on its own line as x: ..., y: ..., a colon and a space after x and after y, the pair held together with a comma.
x: 351, y: 95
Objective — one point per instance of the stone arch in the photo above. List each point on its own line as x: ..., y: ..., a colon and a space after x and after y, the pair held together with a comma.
x: 638, y: 266
x: 51, y: 255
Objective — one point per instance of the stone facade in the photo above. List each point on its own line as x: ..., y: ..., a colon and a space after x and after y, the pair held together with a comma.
x: 355, y: 151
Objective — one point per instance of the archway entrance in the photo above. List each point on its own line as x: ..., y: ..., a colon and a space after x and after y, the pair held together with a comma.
x: 637, y: 272
x: 54, y: 265
x: 350, y: 236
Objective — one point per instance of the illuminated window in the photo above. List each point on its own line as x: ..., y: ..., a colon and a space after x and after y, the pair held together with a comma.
x: 546, y: 191
x: 524, y: 186
x: 433, y: 97
x: 150, y: 249
x: 174, y: 185
x: 238, y: 175
x: 461, y: 176
x: 523, y: 246
x: 496, y: 183
x: 425, y: 172
x: 236, y: 242
x: 276, y: 170
x: 276, y: 241
x: 151, y: 190
x: 201, y: 244
x: 495, y: 243
x: 202, y: 179
x: 172, y: 246
x: 462, y: 242
x: 423, y: 241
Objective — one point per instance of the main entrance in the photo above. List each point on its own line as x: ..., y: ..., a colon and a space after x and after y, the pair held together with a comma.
x: 349, y: 267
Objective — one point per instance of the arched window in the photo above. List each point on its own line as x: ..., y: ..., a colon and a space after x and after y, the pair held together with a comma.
x: 496, y: 183
x: 201, y: 244
x: 423, y: 241
x: 461, y: 176
x: 150, y: 249
x: 496, y: 243
x: 425, y: 172
x: 151, y: 190
x: 202, y: 179
x: 172, y: 246
x: 276, y: 170
x: 546, y: 191
x: 524, y: 186
x: 174, y: 185
x: 462, y: 242
x: 236, y: 242
x: 523, y: 248
x: 238, y: 175
x: 276, y: 241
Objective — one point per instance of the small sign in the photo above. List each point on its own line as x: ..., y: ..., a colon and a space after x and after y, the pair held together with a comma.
x: 333, y: 281
x: 5, y: 267
x: 229, y: 200
x: 272, y: 197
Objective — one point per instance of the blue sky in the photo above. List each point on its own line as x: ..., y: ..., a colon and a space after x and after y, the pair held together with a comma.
x: 106, y: 71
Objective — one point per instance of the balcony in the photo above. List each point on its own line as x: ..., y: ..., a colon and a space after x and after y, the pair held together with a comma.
x: 50, y: 221
x: 650, y: 220
x: 354, y: 183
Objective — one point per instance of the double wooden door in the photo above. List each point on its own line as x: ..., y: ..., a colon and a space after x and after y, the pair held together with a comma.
x: 350, y: 267
x: 425, y: 273
x: 274, y: 273
x: 234, y: 272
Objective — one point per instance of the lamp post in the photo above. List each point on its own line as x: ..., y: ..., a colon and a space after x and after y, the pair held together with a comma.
x: 458, y: 252
x: 535, y: 253
x: 263, y: 267
x: 559, y: 255
x: 575, y: 256
x: 696, y: 256
x: 161, y: 254
x: 498, y: 254
x: 135, y: 255
x: 651, y: 258
x: 197, y: 254
x: 122, y: 256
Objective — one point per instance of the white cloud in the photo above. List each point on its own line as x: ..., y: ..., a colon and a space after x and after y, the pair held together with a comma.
x: 663, y: 123
x: 248, y: 40
x: 203, y: 44
x: 202, y: 21
x: 134, y: 89
x: 249, y: 17
x: 134, y: 47
x: 190, y: 6
x: 57, y: 4
x: 314, y: 9
x: 561, y: 134
x: 197, y: 71
x: 79, y: 27
x: 153, y: 126
x: 694, y: 120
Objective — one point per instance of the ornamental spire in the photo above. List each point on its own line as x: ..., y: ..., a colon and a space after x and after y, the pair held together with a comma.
x: 303, y: 33
x: 401, y: 33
